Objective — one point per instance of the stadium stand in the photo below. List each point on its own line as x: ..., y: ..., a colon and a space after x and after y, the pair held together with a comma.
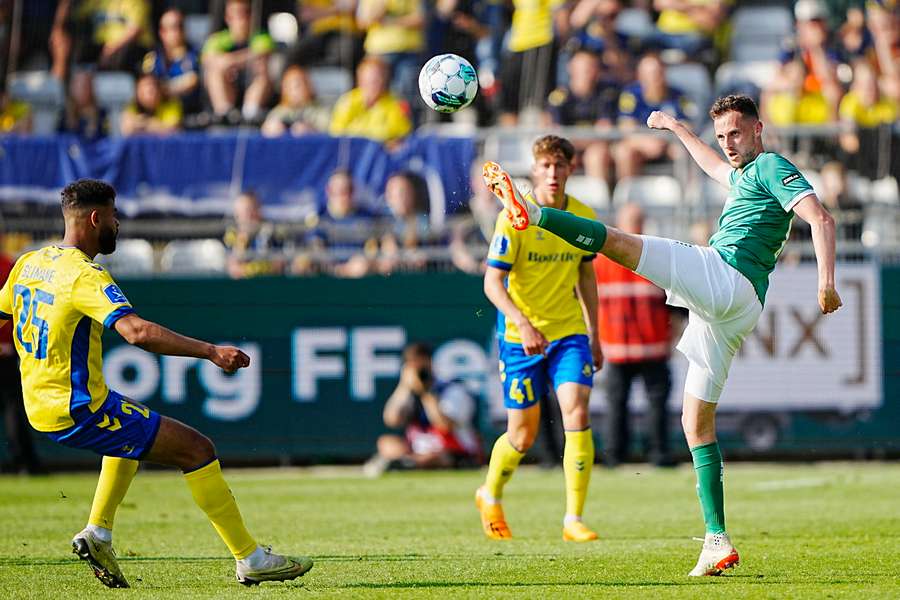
x: 204, y: 257
x: 693, y: 79
x: 168, y: 208
x: 330, y: 83
x: 758, y: 32
x: 283, y: 28
x: 734, y: 77
x: 197, y: 28
x: 131, y: 258
x: 650, y: 191
x: 591, y: 191
x: 44, y: 93
x: 114, y: 91
x: 634, y: 22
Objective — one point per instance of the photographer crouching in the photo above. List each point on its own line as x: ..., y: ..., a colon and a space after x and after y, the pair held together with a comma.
x: 437, y: 418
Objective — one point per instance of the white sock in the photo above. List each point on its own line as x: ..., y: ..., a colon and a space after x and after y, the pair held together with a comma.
x: 101, y: 533
x: 487, y: 498
x: 571, y: 519
x: 256, y: 559
x: 534, y: 213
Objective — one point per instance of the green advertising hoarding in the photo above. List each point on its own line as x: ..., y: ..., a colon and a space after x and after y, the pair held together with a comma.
x: 325, y: 355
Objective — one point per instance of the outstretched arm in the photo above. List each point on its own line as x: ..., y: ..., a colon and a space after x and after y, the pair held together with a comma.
x: 708, y: 159
x: 822, y: 225
x: 159, y: 340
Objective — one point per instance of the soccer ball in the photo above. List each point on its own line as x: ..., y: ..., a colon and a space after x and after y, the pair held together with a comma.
x: 448, y: 83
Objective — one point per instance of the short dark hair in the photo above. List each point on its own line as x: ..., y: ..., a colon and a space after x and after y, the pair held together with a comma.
x: 417, y: 350
x: 742, y: 104
x: 553, y: 145
x: 87, y: 193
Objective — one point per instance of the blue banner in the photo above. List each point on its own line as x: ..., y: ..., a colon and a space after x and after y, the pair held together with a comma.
x: 201, y: 174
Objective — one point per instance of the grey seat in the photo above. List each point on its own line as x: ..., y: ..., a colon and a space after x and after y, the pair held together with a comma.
x: 114, y: 91
x: 592, y: 191
x: 330, y: 82
x: 132, y: 257
x: 634, y: 22
x: 759, y: 31
x: 693, y: 80
x: 197, y: 29
x: 44, y: 93
x: 652, y: 191
x: 735, y: 75
x: 202, y: 257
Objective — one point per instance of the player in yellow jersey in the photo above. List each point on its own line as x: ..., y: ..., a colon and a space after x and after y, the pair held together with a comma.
x: 59, y: 300
x: 546, y: 293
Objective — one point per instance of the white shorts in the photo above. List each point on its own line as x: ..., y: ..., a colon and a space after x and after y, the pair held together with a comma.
x: 723, y: 308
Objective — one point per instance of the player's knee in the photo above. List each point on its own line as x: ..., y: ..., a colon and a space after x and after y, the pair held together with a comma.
x: 577, y: 417
x: 522, y: 438
x: 200, y: 451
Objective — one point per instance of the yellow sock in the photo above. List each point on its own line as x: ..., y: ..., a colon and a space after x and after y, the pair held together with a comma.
x: 504, y: 460
x: 578, y: 460
x: 115, y: 477
x: 213, y: 496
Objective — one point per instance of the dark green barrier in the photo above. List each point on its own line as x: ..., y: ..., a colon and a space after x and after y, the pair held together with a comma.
x: 325, y: 356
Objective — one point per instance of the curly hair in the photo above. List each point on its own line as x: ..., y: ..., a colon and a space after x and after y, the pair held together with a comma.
x: 742, y: 104
x: 87, y: 193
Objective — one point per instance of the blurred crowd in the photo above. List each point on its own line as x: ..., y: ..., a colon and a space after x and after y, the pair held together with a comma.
x: 350, y: 68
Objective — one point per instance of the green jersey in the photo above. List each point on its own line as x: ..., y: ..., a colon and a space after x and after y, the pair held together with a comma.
x: 757, y: 218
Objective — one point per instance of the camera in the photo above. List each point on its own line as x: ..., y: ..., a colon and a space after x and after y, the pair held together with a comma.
x: 425, y: 376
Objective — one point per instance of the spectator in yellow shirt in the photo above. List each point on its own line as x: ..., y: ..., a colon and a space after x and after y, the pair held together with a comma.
x: 785, y: 102
x: 113, y: 34
x: 15, y: 116
x: 864, y: 109
x: 688, y: 25
x: 395, y: 33
x: 370, y: 110
x: 151, y: 112
x: 329, y: 34
x: 864, y: 105
x: 528, y: 69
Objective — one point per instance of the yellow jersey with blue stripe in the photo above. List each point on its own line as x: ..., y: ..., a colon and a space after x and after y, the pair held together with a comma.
x: 59, y: 300
x: 543, y: 274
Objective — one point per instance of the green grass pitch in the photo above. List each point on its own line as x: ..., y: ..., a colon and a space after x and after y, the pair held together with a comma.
x: 814, y: 531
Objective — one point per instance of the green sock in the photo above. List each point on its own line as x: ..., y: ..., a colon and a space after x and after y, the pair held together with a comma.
x: 710, y: 472
x: 582, y: 233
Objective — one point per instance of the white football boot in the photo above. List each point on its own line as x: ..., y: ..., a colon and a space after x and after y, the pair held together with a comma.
x: 101, y: 557
x: 717, y: 555
x: 274, y: 568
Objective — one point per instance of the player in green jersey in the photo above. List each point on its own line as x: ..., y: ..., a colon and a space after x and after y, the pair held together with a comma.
x: 723, y: 285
